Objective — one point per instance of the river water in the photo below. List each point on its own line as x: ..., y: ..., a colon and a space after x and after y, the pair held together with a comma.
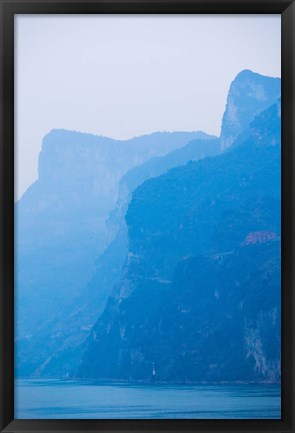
x: 79, y: 400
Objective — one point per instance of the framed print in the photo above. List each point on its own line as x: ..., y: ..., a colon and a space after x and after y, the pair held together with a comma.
x: 147, y: 242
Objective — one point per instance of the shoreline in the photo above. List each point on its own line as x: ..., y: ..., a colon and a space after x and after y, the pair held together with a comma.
x: 146, y: 382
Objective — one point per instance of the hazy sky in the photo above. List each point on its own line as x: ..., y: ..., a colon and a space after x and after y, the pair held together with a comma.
x: 122, y: 76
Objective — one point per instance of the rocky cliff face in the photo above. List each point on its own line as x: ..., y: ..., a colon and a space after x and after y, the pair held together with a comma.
x: 61, y: 232
x: 79, y: 176
x: 193, y: 151
x: 178, y: 222
x: 249, y: 95
x: 192, y: 298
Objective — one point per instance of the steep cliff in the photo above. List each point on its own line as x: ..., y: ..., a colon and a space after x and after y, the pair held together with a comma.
x: 61, y: 233
x: 193, y: 298
x: 249, y: 94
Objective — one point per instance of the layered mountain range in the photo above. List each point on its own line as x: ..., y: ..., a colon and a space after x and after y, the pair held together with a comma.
x: 187, y: 246
x: 199, y: 295
x: 61, y: 231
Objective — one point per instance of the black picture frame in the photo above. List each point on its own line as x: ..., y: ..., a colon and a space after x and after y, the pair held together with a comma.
x: 8, y: 8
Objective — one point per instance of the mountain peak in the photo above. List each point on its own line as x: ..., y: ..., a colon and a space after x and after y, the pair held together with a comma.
x: 250, y: 93
x: 247, y: 73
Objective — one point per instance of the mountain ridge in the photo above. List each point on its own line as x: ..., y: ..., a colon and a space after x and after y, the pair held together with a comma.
x: 56, y: 345
x: 189, y: 324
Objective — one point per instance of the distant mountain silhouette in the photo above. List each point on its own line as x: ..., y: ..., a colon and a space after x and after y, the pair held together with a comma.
x: 249, y: 94
x: 61, y: 231
x: 75, y: 248
x: 199, y: 294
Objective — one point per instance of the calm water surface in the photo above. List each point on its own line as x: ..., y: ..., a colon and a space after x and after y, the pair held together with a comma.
x: 78, y: 399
